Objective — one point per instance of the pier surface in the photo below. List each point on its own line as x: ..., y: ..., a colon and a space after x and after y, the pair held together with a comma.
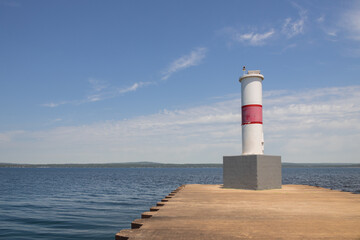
x: 213, y: 212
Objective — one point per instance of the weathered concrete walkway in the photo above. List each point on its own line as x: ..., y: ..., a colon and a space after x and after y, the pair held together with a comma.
x: 212, y: 212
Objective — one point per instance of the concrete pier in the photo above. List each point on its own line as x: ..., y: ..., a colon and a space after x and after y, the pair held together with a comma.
x: 213, y: 212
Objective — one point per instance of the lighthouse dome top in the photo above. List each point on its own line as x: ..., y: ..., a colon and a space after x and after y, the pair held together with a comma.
x: 252, y: 73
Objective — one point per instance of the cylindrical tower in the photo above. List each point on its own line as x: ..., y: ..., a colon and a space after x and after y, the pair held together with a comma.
x: 251, y: 106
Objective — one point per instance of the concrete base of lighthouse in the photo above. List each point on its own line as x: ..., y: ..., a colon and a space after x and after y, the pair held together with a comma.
x: 256, y: 172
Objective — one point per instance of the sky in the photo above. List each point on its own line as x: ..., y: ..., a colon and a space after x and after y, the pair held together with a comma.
x: 128, y: 81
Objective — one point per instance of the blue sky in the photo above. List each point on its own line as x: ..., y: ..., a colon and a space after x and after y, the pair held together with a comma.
x: 123, y: 81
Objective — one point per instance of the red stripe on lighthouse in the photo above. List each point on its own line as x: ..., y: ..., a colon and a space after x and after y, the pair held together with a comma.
x: 251, y: 114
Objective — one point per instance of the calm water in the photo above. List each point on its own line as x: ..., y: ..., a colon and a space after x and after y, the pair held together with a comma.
x: 95, y: 203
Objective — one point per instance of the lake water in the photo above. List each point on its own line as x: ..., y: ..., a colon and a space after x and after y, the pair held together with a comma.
x: 95, y: 203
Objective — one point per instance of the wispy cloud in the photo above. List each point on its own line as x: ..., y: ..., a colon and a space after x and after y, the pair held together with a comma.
x: 319, y: 125
x: 292, y: 27
x: 327, y: 27
x: 194, y: 58
x: 104, y: 91
x: 350, y: 22
x: 53, y: 104
x: 321, y: 19
x: 134, y: 87
x: 332, y: 33
x: 100, y: 90
x: 98, y: 85
x: 254, y: 39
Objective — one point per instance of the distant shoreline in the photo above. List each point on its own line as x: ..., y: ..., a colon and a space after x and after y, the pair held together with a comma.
x: 166, y: 165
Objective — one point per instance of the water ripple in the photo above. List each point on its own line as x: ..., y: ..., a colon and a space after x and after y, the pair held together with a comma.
x: 86, y: 203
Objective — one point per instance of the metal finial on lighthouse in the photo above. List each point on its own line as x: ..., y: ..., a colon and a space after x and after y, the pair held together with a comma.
x: 244, y: 70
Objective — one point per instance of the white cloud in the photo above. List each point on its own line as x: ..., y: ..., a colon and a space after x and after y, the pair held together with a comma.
x: 327, y: 27
x: 100, y: 91
x: 350, y: 22
x: 52, y: 104
x: 321, y: 19
x: 134, y: 87
x: 98, y: 85
x: 292, y: 27
x: 345, y: 24
x: 332, y: 33
x: 90, y: 98
x: 320, y: 125
x: 10, y: 136
x: 254, y: 39
x: 4, y: 137
x: 192, y: 59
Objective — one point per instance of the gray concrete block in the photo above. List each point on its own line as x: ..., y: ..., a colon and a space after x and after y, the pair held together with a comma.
x: 257, y: 172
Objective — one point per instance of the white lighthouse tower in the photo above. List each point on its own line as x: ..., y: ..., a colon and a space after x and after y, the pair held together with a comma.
x: 252, y: 169
x: 251, y: 113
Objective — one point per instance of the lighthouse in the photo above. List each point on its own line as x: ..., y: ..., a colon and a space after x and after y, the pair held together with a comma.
x: 252, y: 169
x: 251, y: 113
